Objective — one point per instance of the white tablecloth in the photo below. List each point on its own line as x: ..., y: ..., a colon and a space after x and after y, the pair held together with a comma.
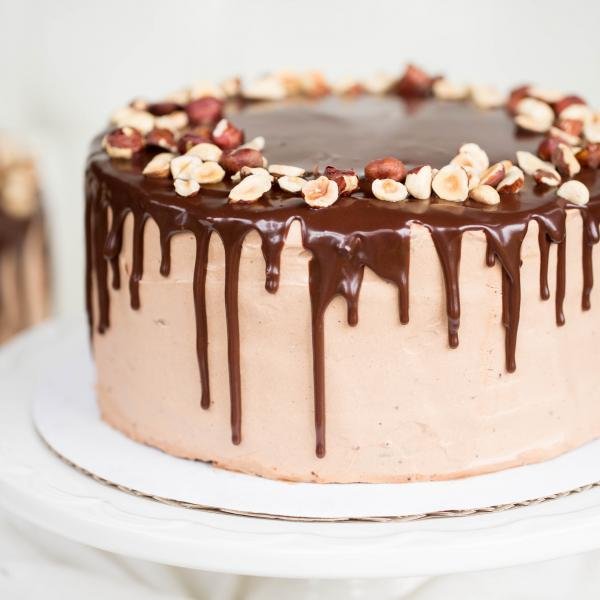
x: 35, y: 564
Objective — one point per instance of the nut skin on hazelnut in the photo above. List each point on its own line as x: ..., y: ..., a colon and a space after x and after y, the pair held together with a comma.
x: 346, y: 180
x: 188, y: 140
x: 547, y: 147
x: 204, y: 111
x: 227, y: 136
x: 161, y: 138
x: 161, y: 109
x: 590, y: 156
x: 385, y: 168
x: 414, y: 83
x: 232, y: 161
x: 571, y: 126
x: 515, y: 97
x: 123, y: 142
x: 565, y: 161
x: 565, y: 102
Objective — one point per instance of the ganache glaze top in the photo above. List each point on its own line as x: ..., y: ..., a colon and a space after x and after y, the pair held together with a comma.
x: 356, y: 231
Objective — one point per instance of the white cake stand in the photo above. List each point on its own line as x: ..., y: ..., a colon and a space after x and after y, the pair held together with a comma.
x: 38, y: 486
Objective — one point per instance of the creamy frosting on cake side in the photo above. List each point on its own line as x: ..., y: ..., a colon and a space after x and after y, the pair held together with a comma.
x: 338, y: 368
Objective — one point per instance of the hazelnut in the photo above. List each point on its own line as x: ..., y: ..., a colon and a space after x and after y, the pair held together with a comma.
x: 279, y: 170
x: 414, y: 82
x: 451, y: 183
x: 564, y: 103
x: 206, y: 151
x: 591, y: 129
x: 267, y: 88
x: 530, y: 163
x: 513, y: 181
x: 547, y: 147
x: 159, y: 166
x: 577, y: 112
x: 231, y: 87
x: 257, y: 143
x: 548, y: 96
x: 249, y: 189
x: 563, y: 136
x: 493, y: 175
x: 565, y: 161
x: 346, y: 180
x: 534, y: 115
x: 260, y: 171
x: 209, y: 172
x: 549, y: 178
x: 204, y: 111
x: 473, y: 177
x: 161, y: 138
x: 123, y: 142
x: 141, y: 120
x: 418, y: 182
x: 486, y: 97
x: 573, y: 127
x: 185, y: 167
x: 389, y: 190
x: 589, y: 156
x: 485, y: 194
x: 291, y: 183
x: 515, y: 97
x: 175, y: 121
x: 160, y: 109
x: 234, y: 160
x: 446, y: 90
x: 186, y: 187
x: 472, y: 156
x: 227, y: 136
x: 320, y: 192
x: 188, y: 140
x: 385, y: 168
x: 574, y: 191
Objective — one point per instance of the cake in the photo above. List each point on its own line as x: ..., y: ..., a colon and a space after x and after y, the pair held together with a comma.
x: 386, y: 280
x: 23, y: 254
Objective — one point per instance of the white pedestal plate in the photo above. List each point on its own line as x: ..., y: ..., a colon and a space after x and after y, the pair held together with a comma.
x: 37, y: 486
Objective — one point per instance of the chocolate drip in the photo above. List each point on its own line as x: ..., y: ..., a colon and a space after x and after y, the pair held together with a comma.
x: 354, y: 233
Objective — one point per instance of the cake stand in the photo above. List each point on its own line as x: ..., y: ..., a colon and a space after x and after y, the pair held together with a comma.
x: 36, y: 485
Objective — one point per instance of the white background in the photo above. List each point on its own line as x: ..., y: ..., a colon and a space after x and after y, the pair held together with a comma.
x: 65, y: 65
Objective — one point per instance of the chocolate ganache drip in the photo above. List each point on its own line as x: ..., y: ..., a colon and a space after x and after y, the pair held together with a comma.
x: 357, y: 231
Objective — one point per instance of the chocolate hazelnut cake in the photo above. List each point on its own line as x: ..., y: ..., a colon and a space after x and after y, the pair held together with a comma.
x: 23, y: 256
x: 381, y: 281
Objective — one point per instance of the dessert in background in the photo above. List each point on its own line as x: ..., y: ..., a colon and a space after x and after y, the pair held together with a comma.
x: 24, y: 293
x: 348, y: 283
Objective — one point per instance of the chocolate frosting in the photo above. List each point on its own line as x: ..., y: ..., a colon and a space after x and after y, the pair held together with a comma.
x: 355, y: 232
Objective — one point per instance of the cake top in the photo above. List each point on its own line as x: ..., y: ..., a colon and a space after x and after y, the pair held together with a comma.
x: 413, y: 138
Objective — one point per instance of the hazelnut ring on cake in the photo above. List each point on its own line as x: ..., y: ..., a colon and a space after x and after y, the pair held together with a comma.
x: 378, y: 199
x: 24, y: 289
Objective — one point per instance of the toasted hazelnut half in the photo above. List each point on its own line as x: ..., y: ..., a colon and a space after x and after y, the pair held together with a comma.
x: 175, y: 121
x: 563, y: 158
x: 573, y: 127
x: 280, y: 170
x: 589, y: 156
x: 257, y: 143
x: 206, y: 151
x: 123, y: 142
x: 234, y: 160
x: 473, y: 177
x: 574, y: 191
x: 446, y: 90
x: 227, y: 136
x: 250, y: 189
x: 291, y: 183
x: 320, y: 192
x: 127, y: 116
x: 210, y: 172
x: 564, y: 136
x: 493, y: 175
x: 485, y: 194
x: 418, y: 182
x: 388, y: 167
x: 572, y: 107
x: 159, y: 166
x: 591, y: 129
x: 346, y: 180
x: 548, y: 96
x: 486, y: 97
x: 534, y: 115
x: 547, y: 177
x: 473, y: 156
x: 185, y: 167
x: 513, y: 181
x: 267, y: 88
x: 186, y: 187
x: 530, y: 163
x: 258, y: 171
x: 451, y: 183
x: 389, y: 190
x: 204, y: 111
x: 547, y: 146
x: 161, y: 138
